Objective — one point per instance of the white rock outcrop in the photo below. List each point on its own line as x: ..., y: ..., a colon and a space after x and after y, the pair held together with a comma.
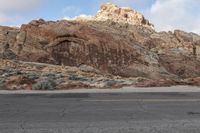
x: 122, y: 15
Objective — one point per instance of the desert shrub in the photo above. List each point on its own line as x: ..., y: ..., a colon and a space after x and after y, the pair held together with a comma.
x: 49, y: 75
x: 7, y: 73
x: 10, y: 72
x: 77, y: 78
x: 32, y: 75
x: 2, y: 80
x: 2, y: 84
x: 58, y: 76
x: 73, y: 77
x: 44, y: 85
x: 110, y: 83
x: 18, y: 72
x: 52, y: 76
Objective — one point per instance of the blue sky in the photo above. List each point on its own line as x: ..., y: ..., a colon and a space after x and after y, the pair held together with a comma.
x: 164, y: 14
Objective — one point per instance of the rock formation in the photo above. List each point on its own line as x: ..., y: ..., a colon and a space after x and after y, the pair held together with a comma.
x: 123, y: 15
x: 117, y: 41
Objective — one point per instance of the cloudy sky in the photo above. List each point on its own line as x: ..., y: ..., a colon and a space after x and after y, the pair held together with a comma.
x: 164, y: 14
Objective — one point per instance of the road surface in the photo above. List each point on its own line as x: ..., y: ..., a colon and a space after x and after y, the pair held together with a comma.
x: 157, y: 112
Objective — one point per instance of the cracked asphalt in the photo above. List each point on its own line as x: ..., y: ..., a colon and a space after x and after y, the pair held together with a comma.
x: 100, y: 113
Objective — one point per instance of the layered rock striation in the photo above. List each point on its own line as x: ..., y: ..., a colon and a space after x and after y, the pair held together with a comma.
x: 117, y: 41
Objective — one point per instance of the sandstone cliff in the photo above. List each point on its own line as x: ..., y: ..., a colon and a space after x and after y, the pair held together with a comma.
x: 117, y: 41
x: 122, y: 15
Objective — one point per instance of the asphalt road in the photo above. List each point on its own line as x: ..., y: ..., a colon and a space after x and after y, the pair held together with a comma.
x: 100, y: 113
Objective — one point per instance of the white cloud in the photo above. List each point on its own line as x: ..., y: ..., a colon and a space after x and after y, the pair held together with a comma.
x: 68, y: 18
x: 79, y: 16
x: 167, y: 14
x: 175, y: 14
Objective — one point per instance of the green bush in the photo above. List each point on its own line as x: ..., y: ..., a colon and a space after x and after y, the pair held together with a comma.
x: 2, y: 84
x: 110, y: 83
x: 32, y: 75
x: 49, y: 75
x: 2, y: 81
x: 77, y: 78
x: 44, y: 85
x: 18, y: 72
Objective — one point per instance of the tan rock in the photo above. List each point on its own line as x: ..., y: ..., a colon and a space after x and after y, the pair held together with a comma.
x: 122, y: 15
x: 106, y: 44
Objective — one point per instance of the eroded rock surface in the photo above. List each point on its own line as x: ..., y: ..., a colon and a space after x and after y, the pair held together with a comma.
x: 117, y: 41
x: 122, y: 15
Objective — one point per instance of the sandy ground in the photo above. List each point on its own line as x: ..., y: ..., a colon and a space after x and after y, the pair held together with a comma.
x: 120, y: 90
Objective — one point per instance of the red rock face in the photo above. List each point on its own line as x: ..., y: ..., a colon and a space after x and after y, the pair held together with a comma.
x: 132, y: 52
x: 74, y: 44
x: 125, y: 49
x: 181, y: 65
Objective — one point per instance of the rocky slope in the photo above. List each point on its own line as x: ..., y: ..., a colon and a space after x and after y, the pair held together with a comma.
x: 117, y: 41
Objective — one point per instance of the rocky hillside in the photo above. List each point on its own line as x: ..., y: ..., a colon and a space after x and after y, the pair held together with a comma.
x: 117, y: 41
